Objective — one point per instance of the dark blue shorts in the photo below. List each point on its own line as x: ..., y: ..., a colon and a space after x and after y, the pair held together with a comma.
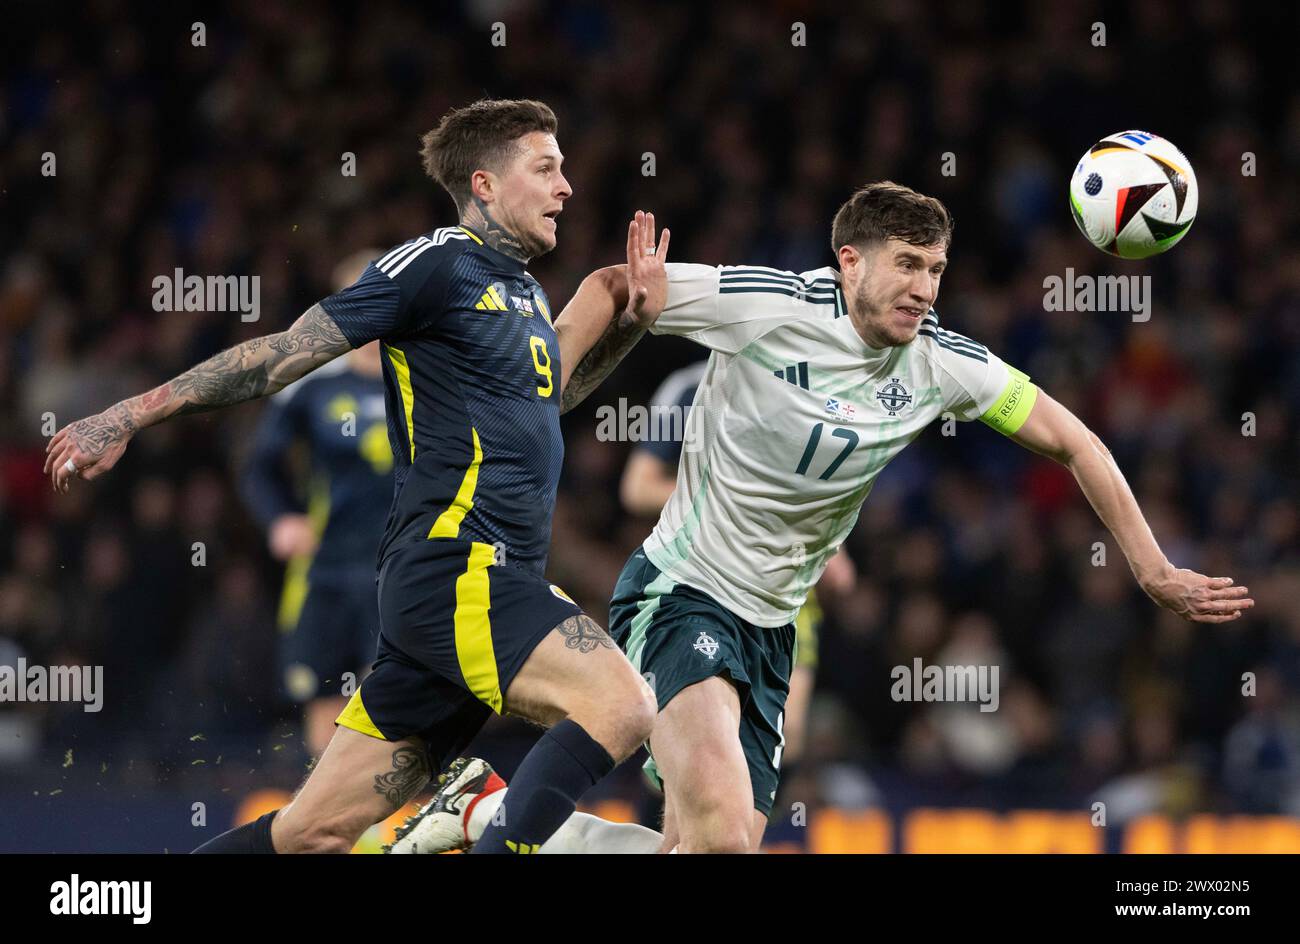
x: 454, y: 629
x: 332, y: 638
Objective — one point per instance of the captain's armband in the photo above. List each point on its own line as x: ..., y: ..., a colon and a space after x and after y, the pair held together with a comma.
x: 1012, y: 407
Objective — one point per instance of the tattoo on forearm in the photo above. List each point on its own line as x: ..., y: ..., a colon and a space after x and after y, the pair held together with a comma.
x: 584, y: 634
x: 407, y: 778
x: 610, y: 348
x: 479, y: 217
x: 248, y: 370
x: 222, y: 380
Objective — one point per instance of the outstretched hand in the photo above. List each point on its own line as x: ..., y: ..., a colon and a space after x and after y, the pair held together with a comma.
x: 88, y: 448
x: 1198, y: 598
x: 647, y: 280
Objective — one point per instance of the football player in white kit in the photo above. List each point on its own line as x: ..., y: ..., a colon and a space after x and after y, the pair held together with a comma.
x: 815, y: 381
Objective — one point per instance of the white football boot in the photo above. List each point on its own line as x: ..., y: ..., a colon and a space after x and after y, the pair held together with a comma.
x: 441, y: 824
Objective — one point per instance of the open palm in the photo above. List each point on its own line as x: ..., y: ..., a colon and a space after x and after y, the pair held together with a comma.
x: 647, y: 280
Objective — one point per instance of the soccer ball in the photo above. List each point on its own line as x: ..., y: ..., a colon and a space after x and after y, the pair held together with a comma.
x: 1133, y: 194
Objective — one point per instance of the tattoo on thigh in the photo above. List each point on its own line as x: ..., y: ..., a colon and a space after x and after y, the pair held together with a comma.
x: 584, y: 634
x: 409, y: 775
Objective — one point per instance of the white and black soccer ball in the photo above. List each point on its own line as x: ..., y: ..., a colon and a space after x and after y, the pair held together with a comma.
x: 1133, y: 194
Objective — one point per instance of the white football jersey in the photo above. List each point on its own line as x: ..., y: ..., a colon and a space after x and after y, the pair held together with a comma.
x: 795, y: 417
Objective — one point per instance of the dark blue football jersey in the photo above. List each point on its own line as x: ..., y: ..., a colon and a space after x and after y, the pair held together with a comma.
x: 472, y: 387
x: 339, y: 414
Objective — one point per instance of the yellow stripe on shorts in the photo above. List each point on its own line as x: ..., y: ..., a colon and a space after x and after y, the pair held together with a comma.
x: 355, y: 716
x: 474, y: 651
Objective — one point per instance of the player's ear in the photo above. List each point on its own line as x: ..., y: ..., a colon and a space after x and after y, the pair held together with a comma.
x: 850, y: 258
x: 482, y: 184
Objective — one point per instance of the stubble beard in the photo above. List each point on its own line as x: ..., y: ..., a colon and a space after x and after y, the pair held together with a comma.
x: 882, y: 335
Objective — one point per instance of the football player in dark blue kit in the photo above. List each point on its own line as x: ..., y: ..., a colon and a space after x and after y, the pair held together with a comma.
x: 475, y: 374
x: 328, y: 617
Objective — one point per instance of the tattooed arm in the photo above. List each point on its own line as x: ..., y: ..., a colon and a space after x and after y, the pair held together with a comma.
x: 249, y: 370
x: 612, y: 308
x: 595, y: 331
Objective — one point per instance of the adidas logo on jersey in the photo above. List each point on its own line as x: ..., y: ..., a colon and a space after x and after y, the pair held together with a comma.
x: 796, y: 374
x: 493, y: 299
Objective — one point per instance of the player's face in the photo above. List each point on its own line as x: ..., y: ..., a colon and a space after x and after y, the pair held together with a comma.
x: 891, y: 287
x: 532, y: 192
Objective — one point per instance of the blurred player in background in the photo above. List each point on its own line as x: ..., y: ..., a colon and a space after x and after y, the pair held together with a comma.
x: 328, y: 617
x: 648, y: 482
x: 816, y: 380
x: 474, y: 386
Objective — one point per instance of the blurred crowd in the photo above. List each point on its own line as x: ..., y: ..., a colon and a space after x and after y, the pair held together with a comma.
x: 226, y: 158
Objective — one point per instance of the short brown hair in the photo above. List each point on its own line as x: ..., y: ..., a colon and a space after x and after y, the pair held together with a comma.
x: 480, y: 136
x: 884, y: 209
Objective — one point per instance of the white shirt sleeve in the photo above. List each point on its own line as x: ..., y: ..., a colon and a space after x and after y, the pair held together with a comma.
x: 721, y: 321
x: 973, y: 379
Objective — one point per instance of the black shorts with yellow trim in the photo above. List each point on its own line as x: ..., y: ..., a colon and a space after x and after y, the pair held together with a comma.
x: 454, y: 629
